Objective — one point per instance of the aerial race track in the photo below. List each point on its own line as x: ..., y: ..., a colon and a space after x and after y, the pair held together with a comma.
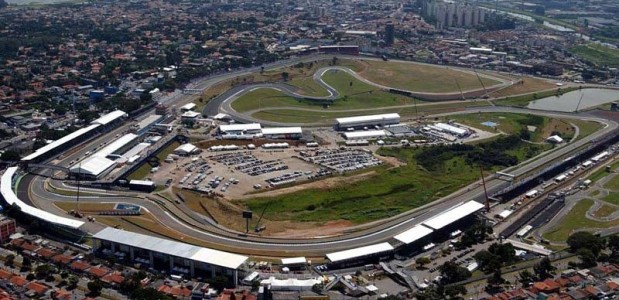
x: 31, y: 189
x: 223, y: 102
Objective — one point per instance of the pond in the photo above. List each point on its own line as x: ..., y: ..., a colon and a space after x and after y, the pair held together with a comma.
x: 568, y: 102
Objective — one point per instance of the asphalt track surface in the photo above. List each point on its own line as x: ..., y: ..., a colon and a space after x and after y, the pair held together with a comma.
x: 32, y: 189
x: 223, y: 102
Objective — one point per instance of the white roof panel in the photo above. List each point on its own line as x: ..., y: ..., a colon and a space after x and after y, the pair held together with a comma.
x: 190, y: 114
x: 239, y: 127
x: 117, y: 144
x: 364, y: 134
x: 450, y: 128
x: 371, y: 118
x: 111, y: 117
x: 136, y: 150
x: 294, y: 261
x: 93, y: 165
x: 61, y: 141
x: 6, y: 189
x: 413, y: 234
x: 454, y: 214
x: 205, y: 255
x: 188, y: 106
x: 359, y: 252
x: 142, y: 182
x: 282, y: 130
x: 149, y: 121
x: 187, y: 148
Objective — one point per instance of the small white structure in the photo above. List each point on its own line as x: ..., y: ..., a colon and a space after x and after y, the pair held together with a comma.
x: 554, y: 139
x: 186, y: 149
x: 275, y: 145
x: 531, y: 193
x: 373, y: 120
x: 190, y: 116
x: 188, y: 107
x: 93, y: 167
x: 364, y: 135
x: 453, y: 130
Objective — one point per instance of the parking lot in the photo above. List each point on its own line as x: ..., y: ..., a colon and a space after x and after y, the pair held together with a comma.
x: 236, y: 173
x: 340, y: 160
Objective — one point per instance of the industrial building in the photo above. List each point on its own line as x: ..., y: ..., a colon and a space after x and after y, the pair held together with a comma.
x: 360, y: 256
x: 173, y: 257
x: 359, y: 122
x: 249, y: 131
x: 289, y: 133
x: 450, y: 129
x: 102, y: 124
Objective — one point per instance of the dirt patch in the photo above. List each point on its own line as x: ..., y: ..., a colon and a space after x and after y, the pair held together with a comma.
x: 527, y: 85
x: 564, y: 128
x: 332, y: 228
x: 321, y: 184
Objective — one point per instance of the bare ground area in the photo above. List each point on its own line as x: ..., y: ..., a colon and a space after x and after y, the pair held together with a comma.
x: 528, y: 85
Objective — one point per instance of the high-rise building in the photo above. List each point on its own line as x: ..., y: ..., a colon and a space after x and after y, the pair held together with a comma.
x: 448, y: 13
x: 7, y: 228
x: 389, y: 34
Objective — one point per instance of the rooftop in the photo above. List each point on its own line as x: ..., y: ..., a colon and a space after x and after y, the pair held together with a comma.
x: 205, y: 255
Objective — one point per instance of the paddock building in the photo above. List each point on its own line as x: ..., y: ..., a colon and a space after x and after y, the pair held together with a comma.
x: 173, y: 257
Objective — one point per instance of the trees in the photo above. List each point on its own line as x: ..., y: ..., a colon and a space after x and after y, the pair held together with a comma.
x: 544, y: 269
x: 421, y: 261
x: 285, y: 76
x: 10, y: 155
x: 613, y: 244
x: 9, y: 260
x: 487, y: 261
x: 583, y: 239
x: 525, y: 277
x: 587, y: 258
x: 95, y: 286
x: 451, y: 273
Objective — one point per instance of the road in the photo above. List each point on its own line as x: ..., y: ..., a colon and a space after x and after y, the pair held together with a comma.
x: 181, y: 220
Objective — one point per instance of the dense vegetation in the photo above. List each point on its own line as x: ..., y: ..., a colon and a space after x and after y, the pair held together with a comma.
x: 488, y: 154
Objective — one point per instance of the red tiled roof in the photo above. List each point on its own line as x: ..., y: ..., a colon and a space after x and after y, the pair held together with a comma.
x: 113, y: 278
x: 61, y: 259
x: 29, y: 247
x: 175, y: 290
x: 98, y: 271
x: 37, y: 287
x: 612, y: 285
x: 5, y: 275
x: 46, y: 253
x: 18, y: 280
x: 79, y: 265
x: 62, y: 294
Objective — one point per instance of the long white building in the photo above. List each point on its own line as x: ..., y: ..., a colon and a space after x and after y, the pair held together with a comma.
x: 371, y: 120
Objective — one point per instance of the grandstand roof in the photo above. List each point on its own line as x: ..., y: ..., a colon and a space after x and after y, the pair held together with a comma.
x: 282, y: 130
x: 359, y: 252
x: 371, y: 118
x: 454, y: 214
x: 111, y: 117
x: 294, y: 260
x: 239, y: 127
x: 413, y: 234
x: 178, y: 249
x: 93, y: 165
x: 6, y: 189
x: 59, y: 142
